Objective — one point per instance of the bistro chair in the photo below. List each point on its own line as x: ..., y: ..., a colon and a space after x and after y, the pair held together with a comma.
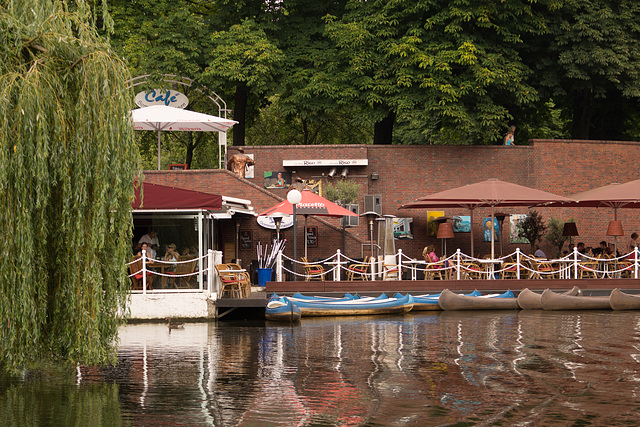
x: 361, y: 270
x: 312, y: 271
x: 182, y: 270
x: 542, y: 269
x: 135, y: 272
x: 390, y: 271
x: 230, y: 282
x: 243, y: 276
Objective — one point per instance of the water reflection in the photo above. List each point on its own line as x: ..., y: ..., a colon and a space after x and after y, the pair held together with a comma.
x: 500, y: 368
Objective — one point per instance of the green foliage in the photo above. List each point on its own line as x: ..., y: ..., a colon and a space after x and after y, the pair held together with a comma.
x: 554, y: 235
x: 343, y: 190
x: 532, y: 228
x: 67, y: 166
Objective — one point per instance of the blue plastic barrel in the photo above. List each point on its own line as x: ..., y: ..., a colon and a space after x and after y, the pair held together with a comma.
x: 264, y: 276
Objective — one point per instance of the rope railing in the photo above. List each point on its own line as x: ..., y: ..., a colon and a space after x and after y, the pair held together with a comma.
x: 460, y: 266
x: 146, y: 271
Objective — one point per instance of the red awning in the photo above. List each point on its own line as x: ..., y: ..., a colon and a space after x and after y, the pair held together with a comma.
x: 163, y: 197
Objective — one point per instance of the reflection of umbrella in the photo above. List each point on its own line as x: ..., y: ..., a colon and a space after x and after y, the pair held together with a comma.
x: 310, y: 204
x: 492, y: 192
x: 161, y: 117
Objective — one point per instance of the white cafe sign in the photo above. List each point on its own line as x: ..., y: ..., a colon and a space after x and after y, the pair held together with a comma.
x: 170, y: 98
x: 326, y: 162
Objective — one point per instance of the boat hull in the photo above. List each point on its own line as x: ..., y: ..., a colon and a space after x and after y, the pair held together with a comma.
x: 529, y: 300
x: 623, y: 301
x: 552, y: 301
x: 355, y: 308
x: 282, y: 310
x: 451, y: 301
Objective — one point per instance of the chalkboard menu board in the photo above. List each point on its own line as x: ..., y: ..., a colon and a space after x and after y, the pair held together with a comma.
x: 312, y: 236
x: 246, y: 239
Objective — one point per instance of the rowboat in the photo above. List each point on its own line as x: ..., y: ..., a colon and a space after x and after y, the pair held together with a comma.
x: 430, y: 302
x: 451, y: 301
x: 552, y: 301
x: 529, y: 300
x: 622, y: 301
x: 282, y: 310
x: 363, y: 306
x: 347, y: 297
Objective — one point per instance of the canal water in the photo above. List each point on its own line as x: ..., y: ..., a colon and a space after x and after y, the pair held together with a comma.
x: 425, y: 369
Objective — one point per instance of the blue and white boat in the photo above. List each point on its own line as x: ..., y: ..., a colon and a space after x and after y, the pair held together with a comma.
x: 281, y: 309
x: 361, y: 306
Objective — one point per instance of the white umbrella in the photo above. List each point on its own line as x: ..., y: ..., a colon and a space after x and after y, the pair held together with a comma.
x: 161, y: 117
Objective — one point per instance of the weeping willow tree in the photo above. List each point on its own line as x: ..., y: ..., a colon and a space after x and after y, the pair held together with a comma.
x: 67, y: 167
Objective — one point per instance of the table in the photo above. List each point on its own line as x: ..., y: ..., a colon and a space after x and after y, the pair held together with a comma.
x: 413, y: 267
x: 565, y: 267
x: 162, y: 266
x: 336, y: 272
x: 489, y: 266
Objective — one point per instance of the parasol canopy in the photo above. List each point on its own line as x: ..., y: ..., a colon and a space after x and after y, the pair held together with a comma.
x: 489, y: 193
x: 310, y: 204
x: 163, y: 118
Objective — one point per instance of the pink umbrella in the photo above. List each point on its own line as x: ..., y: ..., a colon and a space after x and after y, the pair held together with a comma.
x: 491, y: 192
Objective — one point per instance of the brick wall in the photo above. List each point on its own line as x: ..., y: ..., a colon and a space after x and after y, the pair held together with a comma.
x: 408, y: 172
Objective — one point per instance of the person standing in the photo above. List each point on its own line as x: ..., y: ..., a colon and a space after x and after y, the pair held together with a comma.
x: 509, y: 138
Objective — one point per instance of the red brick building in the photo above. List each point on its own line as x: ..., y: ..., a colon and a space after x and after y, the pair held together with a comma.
x: 400, y: 174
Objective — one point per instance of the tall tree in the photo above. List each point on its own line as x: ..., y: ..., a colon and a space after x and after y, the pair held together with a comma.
x: 451, y: 64
x: 589, y: 63
x: 67, y: 168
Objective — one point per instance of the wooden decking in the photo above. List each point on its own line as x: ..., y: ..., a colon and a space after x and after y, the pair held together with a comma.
x: 431, y: 286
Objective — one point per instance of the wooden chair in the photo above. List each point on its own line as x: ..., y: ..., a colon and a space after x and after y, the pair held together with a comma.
x: 543, y: 269
x: 361, y: 270
x: 390, y: 271
x: 135, y: 272
x: 312, y: 271
x: 245, y: 279
x: 471, y: 270
x: 230, y: 282
x: 434, y: 271
x: 183, y: 268
x: 589, y: 269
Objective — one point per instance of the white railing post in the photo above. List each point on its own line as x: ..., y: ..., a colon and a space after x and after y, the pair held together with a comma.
x: 372, y: 260
x: 336, y: 272
x: 210, y: 269
x: 635, y: 262
x: 399, y: 264
x: 144, y: 272
x: 458, y: 264
x: 518, y: 263
x: 575, y: 262
x: 279, y: 266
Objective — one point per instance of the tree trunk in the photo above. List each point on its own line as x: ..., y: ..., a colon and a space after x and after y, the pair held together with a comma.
x: 581, y: 114
x: 383, y: 130
x: 239, y: 114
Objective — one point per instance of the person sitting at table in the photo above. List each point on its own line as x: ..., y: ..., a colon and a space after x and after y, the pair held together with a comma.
x: 171, y: 256
x: 144, y: 247
x: 539, y: 253
x: 429, y: 254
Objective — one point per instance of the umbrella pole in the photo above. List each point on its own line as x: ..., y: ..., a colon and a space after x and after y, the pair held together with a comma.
x: 305, y: 236
x: 493, y: 232
x: 471, y: 229
x: 158, y: 150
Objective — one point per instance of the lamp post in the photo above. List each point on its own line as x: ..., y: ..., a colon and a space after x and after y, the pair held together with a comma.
x: 294, y: 197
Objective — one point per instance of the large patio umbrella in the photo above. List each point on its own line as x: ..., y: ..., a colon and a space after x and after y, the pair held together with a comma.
x: 310, y: 204
x: 489, y: 193
x: 614, y: 196
x: 163, y: 118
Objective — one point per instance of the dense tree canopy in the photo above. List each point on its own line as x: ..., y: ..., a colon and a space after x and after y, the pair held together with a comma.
x: 67, y: 166
x: 401, y: 71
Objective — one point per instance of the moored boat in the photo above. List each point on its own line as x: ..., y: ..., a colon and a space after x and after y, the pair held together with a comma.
x: 619, y: 300
x: 356, y: 307
x: 529, y: 300
x: 553, y: 301
x: 430, y: 302
x: 282, y: 310
x: 451, y: 301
